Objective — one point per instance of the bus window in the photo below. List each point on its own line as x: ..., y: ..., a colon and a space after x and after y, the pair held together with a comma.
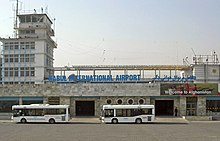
x: 109, y: 113
x: 147, y: 111
x: 39, y: 112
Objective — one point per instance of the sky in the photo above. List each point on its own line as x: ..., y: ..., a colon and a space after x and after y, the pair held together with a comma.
x: 125, y: 32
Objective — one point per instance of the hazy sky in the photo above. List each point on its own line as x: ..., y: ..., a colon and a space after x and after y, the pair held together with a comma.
x: 109, y: 32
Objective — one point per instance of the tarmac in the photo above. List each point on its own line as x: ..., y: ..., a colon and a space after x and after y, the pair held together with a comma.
x: 94, y: 120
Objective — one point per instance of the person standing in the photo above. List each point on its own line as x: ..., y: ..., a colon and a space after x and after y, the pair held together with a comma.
x: 176, y: 111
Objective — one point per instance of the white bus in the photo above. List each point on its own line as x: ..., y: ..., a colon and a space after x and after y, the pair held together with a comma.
x: 128, y: 113
x: 40, y: 113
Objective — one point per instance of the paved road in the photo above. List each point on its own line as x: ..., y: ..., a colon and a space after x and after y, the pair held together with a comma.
x: 194, y: 131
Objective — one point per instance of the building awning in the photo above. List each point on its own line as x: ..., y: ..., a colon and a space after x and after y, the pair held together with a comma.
x: 9, y: 98
x: 213, y: 98
x: 32, y: 98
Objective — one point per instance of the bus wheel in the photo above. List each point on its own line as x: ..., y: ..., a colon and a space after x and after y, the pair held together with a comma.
x: 114, y: 120
x: 23, y: 120
x: 138, y: 121
x: 51, y: 121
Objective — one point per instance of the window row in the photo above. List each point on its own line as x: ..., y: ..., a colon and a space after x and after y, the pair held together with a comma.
x: 213, y: 105
x: 27, y: 19
x: 14, y: 58
x: 5, y: 106
x: 16, y: 68
x: 49, y: 61
x: 15, y: 45
x: 127, y: 112
x: 11, y: 83
x: 16, y: 73
x: 38, y: 112
x: 129, y: 101
x: 26, y: 31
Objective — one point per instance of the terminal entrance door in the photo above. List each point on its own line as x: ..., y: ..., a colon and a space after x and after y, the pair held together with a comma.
x: 164, y: 107
x: 85, y: 108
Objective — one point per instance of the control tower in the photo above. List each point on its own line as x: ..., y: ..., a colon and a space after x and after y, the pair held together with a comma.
x: 28, y: 57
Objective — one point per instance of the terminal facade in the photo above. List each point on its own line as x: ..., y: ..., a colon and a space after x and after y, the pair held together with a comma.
x: 29, y: 77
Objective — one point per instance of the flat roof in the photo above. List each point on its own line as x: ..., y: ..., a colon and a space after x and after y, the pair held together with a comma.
x: 122, y: 67
x: 35, y: 14
x: 127, y: 106
x: 40, y: 106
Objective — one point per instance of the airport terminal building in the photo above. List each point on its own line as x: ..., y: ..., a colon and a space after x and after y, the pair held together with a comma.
x: 29, y: 77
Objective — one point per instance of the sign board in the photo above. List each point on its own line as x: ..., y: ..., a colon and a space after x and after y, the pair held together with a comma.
x: 94, y: 78
x: 174, y: 79
x: 189, y: 89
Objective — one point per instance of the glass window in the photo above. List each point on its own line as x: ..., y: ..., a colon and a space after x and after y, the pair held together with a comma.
x: 11, y: 47
x: 5, y: 106
x: 16, y: 60
x: 39, y: 112
x: 54, y: 111
x: 6, y: 47
x: 6, y: 60
x: 21, y: 59
x: 191, y: 107
x: 109, y: 113
x: 119, y: 101
x: 26, y: 59
x: 130, y: 101
x: 34, y: 19
x: 22, y: 19
x: 16, y: 46
x: 213, y: 105
x: 119, y: 113
x: 16, y: 73
x: 108, y: 101
x: 22, y: 73
x: 11, y: 60
x: 32, y: 73
x: 28, y: 19
x: 27, y: 73
x: 11, y: 73
x: 141, y: 101
x: 6, y: 73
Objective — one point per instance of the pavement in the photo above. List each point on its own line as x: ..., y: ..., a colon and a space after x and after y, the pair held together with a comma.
x: 171, y: 120
x: 94, y: 120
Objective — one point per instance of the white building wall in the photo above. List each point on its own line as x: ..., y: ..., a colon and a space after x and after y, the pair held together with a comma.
x: 207, y: 73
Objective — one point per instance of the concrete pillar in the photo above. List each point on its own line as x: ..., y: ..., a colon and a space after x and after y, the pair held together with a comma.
x: 152, y: 102
x: 147, y: 101
x: 64, y: 100
x: 20, y: 101
x: 97, y: 108
x: 176, y: 104
x: 45, y: 100
x: 182, y: 106
x: 72, y: 107
x: 201, y: 106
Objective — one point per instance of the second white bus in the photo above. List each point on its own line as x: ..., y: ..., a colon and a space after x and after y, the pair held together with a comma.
x: 40, y: 113
x: 128, y: 113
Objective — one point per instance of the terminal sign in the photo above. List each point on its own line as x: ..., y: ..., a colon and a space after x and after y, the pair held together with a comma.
x: 76, y: 78
x: 174, y: 79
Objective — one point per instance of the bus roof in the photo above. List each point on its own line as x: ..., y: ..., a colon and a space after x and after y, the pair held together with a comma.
x: 127, y: 106
x: 40, y: 106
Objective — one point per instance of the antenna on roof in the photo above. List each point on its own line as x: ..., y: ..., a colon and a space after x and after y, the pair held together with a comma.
x: 16, y: 19
x: 194, y: 58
